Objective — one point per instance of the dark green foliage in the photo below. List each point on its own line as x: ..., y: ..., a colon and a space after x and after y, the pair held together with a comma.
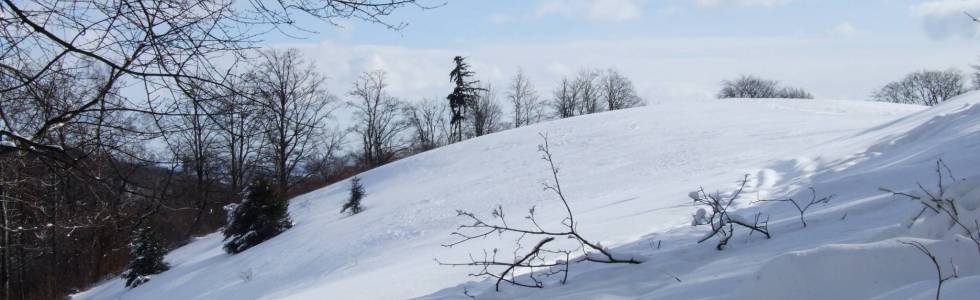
x: 464, y: 95
x: 147, y: 254
x: 262, y: 215
x: 356, y: 194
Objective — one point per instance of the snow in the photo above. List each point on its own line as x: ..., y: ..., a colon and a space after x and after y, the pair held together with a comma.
x: 626, y: 174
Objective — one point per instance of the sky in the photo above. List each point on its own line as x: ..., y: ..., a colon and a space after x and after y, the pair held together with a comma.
x: 673, y: 50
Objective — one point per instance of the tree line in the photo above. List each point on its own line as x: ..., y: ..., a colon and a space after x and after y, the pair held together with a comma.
x: 926, y: 87
x: 123, y: 121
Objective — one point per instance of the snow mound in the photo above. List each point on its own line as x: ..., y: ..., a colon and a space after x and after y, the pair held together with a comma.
x: 854, y: 271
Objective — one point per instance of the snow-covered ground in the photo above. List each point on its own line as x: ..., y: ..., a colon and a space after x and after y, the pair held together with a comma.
x: 627, y: 175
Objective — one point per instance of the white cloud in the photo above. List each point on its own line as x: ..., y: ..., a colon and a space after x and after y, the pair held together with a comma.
x: 846, y: 29
x: 592, y: 10
x: 946, y: 18
x: 764, y: 3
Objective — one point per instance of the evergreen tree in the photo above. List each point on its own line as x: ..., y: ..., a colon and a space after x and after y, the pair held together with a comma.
x: 464, y: 95
x: 356, y: 194
x: 147, y: 257
x: 262, y: 215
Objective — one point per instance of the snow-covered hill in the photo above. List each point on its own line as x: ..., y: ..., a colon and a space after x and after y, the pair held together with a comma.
x: 627, y: 175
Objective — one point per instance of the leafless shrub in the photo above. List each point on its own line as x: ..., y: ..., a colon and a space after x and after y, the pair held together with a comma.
x: 246, y: 275
x: 555, y: 261
x: 722, y: 221
x: 802, y: 208
x: 935, y: 262
x: 923, y: 88
x: 755, y: 87
x: 938, y: 202
x: 794, y: 93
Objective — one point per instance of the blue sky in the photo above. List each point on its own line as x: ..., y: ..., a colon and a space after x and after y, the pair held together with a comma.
x: 673, y: 50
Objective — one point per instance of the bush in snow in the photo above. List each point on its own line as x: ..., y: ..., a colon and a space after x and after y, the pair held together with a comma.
x: 755, y: 87
x: 261, y: 215
x: 543, y: 255
x: 923, y: 88
x: 952, y: 208
x: 722, y: 221
x: 356, y: 194
x: 147, y: 254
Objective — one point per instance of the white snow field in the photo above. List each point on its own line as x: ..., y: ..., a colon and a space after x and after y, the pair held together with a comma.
x: 627, y: 175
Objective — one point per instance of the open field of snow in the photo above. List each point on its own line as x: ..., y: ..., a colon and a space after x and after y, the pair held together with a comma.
x: 627, y: 175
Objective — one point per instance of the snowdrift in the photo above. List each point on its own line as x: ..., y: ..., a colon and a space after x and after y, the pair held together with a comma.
x: 627, y: 175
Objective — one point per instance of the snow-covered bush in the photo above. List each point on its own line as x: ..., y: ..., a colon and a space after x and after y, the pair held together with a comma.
x: 261, y: 215
x: 147, y: 254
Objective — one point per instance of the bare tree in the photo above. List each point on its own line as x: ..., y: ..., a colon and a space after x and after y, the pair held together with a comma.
x: 589, y: 92
x: 618, y: 91
x: 328, y: 163
x: 485, y: 114
x: 924, y: 88
x: 528, y: 109
x: 377, y: 122
x: 239, y: 123
x: 565, y: 99
x: 296, y: 106
x: 749, y: 87
x: 426, y: 119
x: 755, y: 87
x: 196, y: 150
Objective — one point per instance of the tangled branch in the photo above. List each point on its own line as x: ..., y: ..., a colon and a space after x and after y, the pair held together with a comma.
x: 722, y: 221
x: 803, y: 208
x: 939, y: 203
x: 555, y: 261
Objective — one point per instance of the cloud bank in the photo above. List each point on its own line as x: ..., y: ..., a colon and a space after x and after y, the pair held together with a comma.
x: 943, y: 19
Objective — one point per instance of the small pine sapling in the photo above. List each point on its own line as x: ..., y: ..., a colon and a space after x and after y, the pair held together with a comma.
x: 147, y: 254
x: 263, y: 214
x: 357, y: 193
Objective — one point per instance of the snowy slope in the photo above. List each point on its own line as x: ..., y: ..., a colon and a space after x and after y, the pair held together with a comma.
x: 627, y: 175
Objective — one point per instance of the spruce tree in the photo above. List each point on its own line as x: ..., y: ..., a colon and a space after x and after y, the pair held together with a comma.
x: 356, y: 194
x: 464, y: 95
x: 147, y: 254
x: 262, y: 215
